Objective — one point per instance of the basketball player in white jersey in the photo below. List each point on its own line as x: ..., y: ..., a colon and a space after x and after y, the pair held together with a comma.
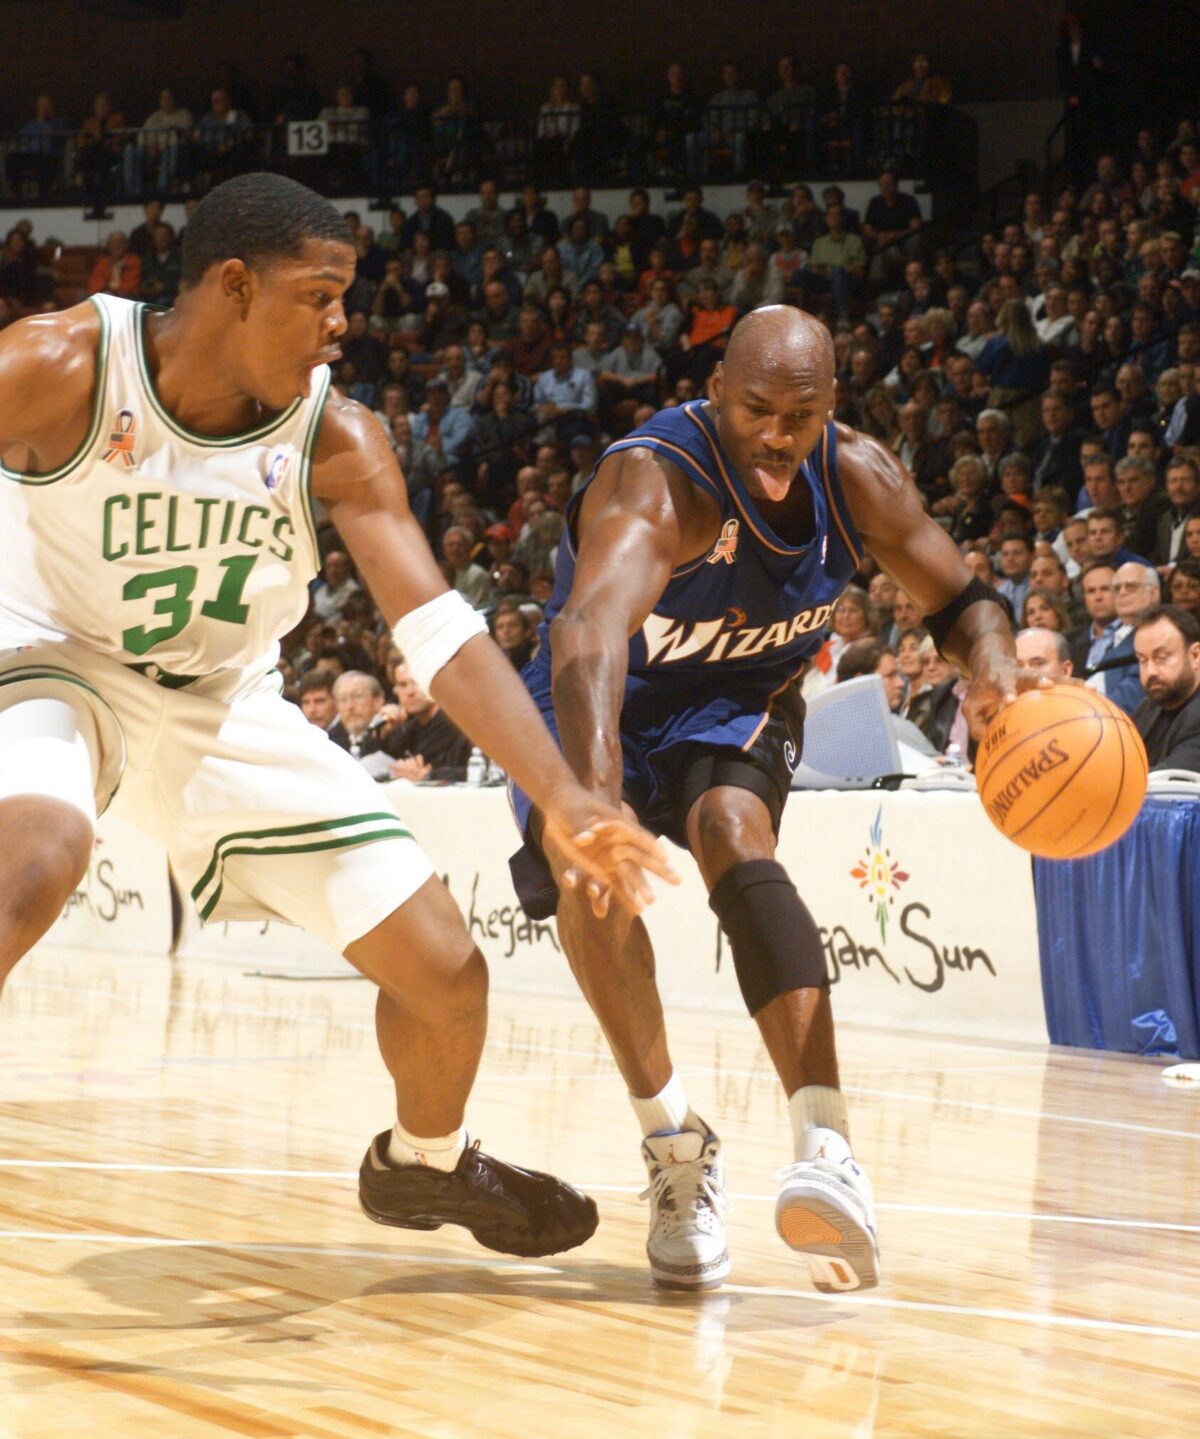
x: 156, y: 490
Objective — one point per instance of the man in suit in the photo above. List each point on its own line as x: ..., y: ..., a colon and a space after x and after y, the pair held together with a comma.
x: 1135, y: 588
x: 1089, y: 643
x: 1183, y: 492
x: 1167, y: 645
x: 1056, y: 459
x: 1141, y: 506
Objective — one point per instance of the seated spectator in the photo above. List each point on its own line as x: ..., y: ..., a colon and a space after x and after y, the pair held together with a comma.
x: 1183, y: 495
x: 537, y: 546
x: 427, y: 745
x: 969, y: 507
x: 911, y: 663
x: 1016, y: 560
x: 513, y: 632
x: 660, y: 320
x: 710, y: 323
x: 853, y: 619
x: 1056, y: 458
x: 565, y: 398
x: 117, y: 271
x: 19, y: 269
x: 1045, y: 610
x: 1167, y: 646
x: 1135, y: 588
x: 471, y: 581
x: 1183, y: 586
x: 500, y: 437
x: 1018, y: 366
x: 161, y: 267
x: 870, y: 657
x: 710, y: 267
x: 332, y: 595
x: 757, y: 282
x: 838, y: 261
x: 314, y: 694
x: 892, y: 227
x: 993, y: 431
x: 362, y: 724
x: 1046, y: 652
x: 1141, y: 506
x: 444, y: 431
x: 936, y: 709
x: 628, y: 376
x: 789, y: 258
x: 581, y: 254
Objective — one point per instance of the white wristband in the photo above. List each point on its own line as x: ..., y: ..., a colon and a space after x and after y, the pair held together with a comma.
x: 431, y: 635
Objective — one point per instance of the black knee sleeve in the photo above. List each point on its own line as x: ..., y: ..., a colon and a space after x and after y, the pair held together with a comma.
x: 775, y: 942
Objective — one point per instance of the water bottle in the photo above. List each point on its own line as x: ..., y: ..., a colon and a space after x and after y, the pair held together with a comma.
x: 476, y: 767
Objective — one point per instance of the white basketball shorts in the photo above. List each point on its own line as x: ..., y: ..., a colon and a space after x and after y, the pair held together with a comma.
x: 262, y: 815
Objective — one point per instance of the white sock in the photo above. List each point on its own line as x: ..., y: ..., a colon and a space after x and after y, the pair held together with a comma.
x: 667, y: 1112
x: 819, y: 1126
x: 442, y: 1152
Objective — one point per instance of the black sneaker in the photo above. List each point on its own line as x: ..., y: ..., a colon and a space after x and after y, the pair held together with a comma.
x: 517, y: 1211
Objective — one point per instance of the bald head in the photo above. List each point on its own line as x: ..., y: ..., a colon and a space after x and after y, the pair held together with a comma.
x: 783, y: 343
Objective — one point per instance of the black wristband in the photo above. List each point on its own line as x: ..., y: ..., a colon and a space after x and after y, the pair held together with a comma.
x: 941, y: 623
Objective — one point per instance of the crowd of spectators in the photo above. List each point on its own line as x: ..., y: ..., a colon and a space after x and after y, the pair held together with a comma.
x: 384, y: 134
x: 1040, y: 383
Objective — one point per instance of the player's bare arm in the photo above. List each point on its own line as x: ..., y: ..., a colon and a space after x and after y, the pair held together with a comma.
x: 923, y: 560
x: 356, y: 475
x: 47, y: 376
x: 639, y: 520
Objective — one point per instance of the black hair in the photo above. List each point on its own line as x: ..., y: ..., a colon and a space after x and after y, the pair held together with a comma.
x: 1187, y: 624
x: 256, y: 218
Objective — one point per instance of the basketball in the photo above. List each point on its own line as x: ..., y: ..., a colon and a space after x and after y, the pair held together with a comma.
x: 1062, y: 772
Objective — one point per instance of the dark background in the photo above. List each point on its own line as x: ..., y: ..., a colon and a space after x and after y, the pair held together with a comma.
x: 994, y: 50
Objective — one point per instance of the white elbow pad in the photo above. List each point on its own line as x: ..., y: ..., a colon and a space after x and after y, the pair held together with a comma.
x: 431, y: 635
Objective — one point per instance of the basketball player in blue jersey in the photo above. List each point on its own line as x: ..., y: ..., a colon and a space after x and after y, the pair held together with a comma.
x: 700, y: 562
x: 156, y: 486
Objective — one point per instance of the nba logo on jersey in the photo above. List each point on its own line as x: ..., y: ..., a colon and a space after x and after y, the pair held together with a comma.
x: 277, y: 469
x: 121, y: 440
x: 726, y: 547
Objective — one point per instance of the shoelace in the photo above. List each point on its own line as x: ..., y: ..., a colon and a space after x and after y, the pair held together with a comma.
x: 688, y: 1184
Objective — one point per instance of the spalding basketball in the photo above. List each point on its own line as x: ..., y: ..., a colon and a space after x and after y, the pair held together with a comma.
x: 1062, y: 772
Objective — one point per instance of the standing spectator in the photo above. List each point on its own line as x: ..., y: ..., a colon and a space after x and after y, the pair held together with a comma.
x: 223, y: 140
x: 557, y: 122
x: 598, y: 147
x: 731, y: 119
x: 790, y: 122
x: 36, y: 159
x: 844, y: 121
x: 678, y: 121
x: 160, y: 154
x: 294, y: 97
x: 98, y: 147
x: 117, y: 271
x: 1018, y: 365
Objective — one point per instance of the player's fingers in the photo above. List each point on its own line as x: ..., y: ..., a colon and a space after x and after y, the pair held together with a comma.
x: 630, y: 842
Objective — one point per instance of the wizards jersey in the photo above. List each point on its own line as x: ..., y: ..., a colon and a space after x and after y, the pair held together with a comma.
x: 155, y: 545
x: 735, y: 626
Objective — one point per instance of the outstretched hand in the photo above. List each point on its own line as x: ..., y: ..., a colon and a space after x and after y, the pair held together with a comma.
x: 996, y: 689
x: 608, y: 855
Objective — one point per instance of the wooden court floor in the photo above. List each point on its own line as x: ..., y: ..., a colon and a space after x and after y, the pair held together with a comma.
x: 182, y: 1256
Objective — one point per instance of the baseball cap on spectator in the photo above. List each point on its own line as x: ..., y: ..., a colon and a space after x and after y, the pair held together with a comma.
x: 437, y: 383
x: 785, y: 227
x: 498, y: 532
x: 435, y: 290
x: 584, y: 441
x: 1191, y: 273
x: 633, y: 328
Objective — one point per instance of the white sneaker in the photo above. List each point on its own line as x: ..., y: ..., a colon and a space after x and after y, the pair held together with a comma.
x: 687, y: 1208
x: 826, y: 1211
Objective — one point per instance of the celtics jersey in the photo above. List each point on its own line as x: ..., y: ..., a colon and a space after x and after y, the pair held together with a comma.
x: 156, y: 546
